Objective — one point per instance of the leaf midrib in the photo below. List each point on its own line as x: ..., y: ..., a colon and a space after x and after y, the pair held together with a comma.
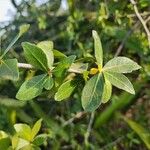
x: 118, y: 80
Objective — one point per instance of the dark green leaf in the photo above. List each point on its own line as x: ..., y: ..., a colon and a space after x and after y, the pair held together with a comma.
x: 92, y: 93
x: 35, y: 56
x: 31, y: 88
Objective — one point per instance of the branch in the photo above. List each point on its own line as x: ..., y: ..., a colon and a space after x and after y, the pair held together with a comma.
x: 88, y: 132
x: 24, y: 65
x: 125, y: 39
x: 141, y: 20
x: 29, y: 66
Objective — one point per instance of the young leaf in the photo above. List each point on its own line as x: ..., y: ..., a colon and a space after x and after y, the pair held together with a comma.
x: 98, y: 49
x: 23, y: 131
x: 121, y: 65
x: 107, y: 91
x: 92, y: 93
x: 141, y: 131
x: 47, y: 47
x: 48, y: 83
x: 35, y: 56
x: 9, y: 69
x: 65, y: 90
x: 23, y: 28
x: 120, y: 81
x: 63, y: 65
x: 31, y: 88
x: 36, y: 129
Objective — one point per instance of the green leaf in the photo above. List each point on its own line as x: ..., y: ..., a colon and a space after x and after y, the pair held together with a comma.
x: 31, y: 88
x: 35, y: 56
x: 107, y: 91
x: 78, y: 67
x: 98, y: 49
x: 141, y: 131
x: 120, y: 81
x: 92, y: 93
x: 23, y: 28
x: 60, y: 69
x: 65, y: 90
x: 9, y: 69
x: 121, y: 65
x: 48, y: 83
x: 58, y: 54
x: 23, y: 131
x: 47, y: 47
x: 40, y: 139
x: 36, y: 128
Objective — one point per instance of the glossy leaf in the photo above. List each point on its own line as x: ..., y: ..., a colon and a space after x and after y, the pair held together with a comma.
x: 48, y: 83
x: 35, y: 56
x: 65, y: 90
x: 31, y: 88
x: 141, y: 131
x: 98, y: 49
x: 36, y: 128
x: 120, y: 81
x: 92, y: 93
x: 107, y: 91
x: 47, y: 47
x: 121, y: 65
x: 9, y: 69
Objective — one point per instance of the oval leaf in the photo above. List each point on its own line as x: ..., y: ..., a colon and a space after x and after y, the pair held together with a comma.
x: 92, y: 93
x: 121, y: 65
x: 120, y: 81
x: 9, y: 69
x: 98, y: 49
x: 47, y: 47
x: 65, y: 90
x: 31, y: 88
x: 35, y: 56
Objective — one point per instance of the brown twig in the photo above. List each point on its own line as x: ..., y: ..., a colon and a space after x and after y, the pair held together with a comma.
x: 141, y: 20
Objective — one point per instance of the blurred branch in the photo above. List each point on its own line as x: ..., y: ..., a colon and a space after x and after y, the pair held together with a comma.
x: 141, y: 20
x: 125, y: 39
x: 88, y: 132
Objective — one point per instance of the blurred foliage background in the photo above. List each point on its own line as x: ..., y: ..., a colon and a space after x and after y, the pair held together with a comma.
x: 69, y: 25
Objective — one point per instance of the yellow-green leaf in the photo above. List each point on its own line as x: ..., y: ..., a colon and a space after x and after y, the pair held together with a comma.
x: 36, y: 129
x: 98, y: 48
